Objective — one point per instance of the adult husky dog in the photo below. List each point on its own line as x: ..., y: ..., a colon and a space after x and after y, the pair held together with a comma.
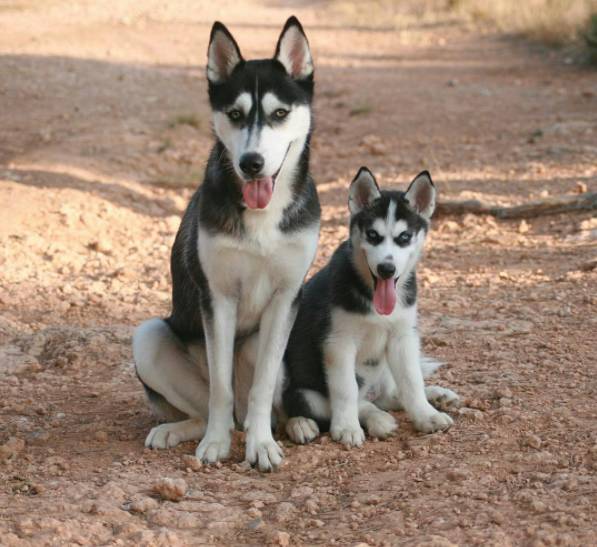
x: 354, y: 348
x: 239, y: 259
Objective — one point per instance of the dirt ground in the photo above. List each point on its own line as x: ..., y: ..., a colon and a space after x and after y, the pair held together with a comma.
x: 104, y: 132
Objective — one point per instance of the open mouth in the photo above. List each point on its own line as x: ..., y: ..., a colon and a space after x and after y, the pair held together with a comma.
x: 258, y: 193
x: 384, y: 294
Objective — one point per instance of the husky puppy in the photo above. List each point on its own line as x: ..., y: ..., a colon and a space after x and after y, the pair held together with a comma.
x: 354, y: 349
x: 243, y: 248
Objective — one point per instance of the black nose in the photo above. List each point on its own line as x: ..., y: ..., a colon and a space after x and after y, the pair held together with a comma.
x: 385, y: 270
x: 251, y: 163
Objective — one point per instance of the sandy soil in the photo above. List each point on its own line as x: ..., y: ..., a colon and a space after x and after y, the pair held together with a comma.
x: 104, y: 131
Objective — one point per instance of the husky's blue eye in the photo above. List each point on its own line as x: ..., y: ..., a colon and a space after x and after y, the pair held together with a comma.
x: 235, y: 115
x: 373, y: 236
x: 403, y: 239
x: 280, y: 114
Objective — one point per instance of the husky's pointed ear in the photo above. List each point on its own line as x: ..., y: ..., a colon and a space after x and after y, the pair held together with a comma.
x: 363, y: 191
x: 421, y: 194
x: 223, y: 54
x: 293, y: 50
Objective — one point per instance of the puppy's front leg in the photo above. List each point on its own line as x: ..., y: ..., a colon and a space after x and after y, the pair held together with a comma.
x: 344, y: 394
x: 404, y: 360
x: 219, y: 328
x: 274, y: 329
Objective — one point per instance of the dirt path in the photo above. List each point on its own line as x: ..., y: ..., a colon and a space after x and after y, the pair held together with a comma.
x: 104, y: 131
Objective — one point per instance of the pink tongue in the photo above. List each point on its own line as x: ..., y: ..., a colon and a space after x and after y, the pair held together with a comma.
x: 384, y: 298
x: 258, y: 193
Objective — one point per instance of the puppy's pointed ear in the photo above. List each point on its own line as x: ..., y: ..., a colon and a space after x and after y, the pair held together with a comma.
x: 223, y: 54
x: 293, y: 50
x: 421, y: 194
x: 363, y: 191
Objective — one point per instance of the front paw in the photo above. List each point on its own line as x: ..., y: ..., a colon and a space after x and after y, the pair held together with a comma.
x: 214, y: 447
x: 438, y: 421
x: 380, y: 424
x: 263, y: 451
x: 348, y: 434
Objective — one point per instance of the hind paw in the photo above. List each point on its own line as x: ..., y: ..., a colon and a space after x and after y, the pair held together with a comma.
x: 380, y: 424
x: 435, y: 422
x: 442, y: 398
x: 162, y: 436
x: 302, y: 430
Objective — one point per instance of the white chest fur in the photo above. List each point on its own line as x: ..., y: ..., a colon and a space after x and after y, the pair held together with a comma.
x: 252, y: 269
x: 371, y: 333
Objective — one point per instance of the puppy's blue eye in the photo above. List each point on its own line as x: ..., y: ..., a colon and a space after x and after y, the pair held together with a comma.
x: 373, y: 236
x: 235, y: 115
x: 404, y: 238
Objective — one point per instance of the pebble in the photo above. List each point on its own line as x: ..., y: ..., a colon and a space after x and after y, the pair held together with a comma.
x: 301, y: 492
x: 171, y: 489
x: 11, y: 449
x: 191, y: 462
x: 256, y: 524
x: 143, y: 505
x: 457, y: 475
x: 282, y: 538
x: 311, y: 506
x: 503, y: 391
x: 101, y: 436
x: 532, y: 440
x: 284, y: 511
x: 472, y: 413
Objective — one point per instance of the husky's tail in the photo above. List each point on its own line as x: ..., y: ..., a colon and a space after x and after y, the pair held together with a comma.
x: 429, y: 366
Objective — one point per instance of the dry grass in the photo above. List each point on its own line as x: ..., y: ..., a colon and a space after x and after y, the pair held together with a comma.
x: 553, y: 22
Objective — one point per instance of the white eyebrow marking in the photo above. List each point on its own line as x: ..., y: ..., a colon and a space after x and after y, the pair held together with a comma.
x: 379, y: 226
x: 271, y: 102
x: 243, y: 102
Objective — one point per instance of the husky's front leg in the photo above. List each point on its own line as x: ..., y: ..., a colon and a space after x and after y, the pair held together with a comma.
x: 274, y: 329
x: 344, y: 394
x: 219, y: 328
x: 404, y: 360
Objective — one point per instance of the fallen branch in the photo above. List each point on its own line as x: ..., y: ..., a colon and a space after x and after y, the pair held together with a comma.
x: 547, y: 206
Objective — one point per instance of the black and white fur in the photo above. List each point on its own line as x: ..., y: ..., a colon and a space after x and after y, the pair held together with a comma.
x: 237, y: 271
x: 345, y: 363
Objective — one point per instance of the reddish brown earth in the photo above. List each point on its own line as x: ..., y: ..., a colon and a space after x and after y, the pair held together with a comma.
x: 104, y: 132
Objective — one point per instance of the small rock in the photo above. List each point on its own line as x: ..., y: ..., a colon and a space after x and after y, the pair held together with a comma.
x: 301, y: 492
x: 457, y: 475
x: 311, y: 506
x: 503, y: 391
x: 256, y: 524
x: 496, y: 517
x: 374, y: 145
x: 253, y: 512
x: 282, y: 538
x: 523, y: 227
x: 101, y: 246
x: 101, y: 436
x: 171, y: 489
x: 11, y: 449
x: 143, y: 505
x: 532, y: 440
x: 581, y: 188
x: 191, y: 462
x: 472, y: 413
x: 284, y: 511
